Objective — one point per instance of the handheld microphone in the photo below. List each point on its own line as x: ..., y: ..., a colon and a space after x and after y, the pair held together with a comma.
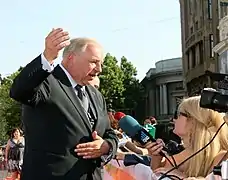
x: 119, y: 115
x: 137, y: 132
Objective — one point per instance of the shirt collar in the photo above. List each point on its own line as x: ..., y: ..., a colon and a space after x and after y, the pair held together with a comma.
x: 72, y: 81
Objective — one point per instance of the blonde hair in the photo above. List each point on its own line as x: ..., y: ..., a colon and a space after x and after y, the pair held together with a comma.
x: 79, y: 45
x: 205, y: 124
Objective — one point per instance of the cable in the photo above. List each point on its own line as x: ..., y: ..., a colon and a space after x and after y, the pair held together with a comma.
x: 165, y: 174
x: 170, y: 162
x: 172, y: 176
x: 175, y: 164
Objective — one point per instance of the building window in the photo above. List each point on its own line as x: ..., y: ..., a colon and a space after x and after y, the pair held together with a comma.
x: 191, y: 6
x: 209, y: 9
x: 197, y: 25
x: 193, y: 56
x: 188, y: 62
x: 191, y: 30
x: 211, y: 45
x: 223, y: 9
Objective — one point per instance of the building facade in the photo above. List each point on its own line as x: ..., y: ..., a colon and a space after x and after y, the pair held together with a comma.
x: 222, y: 47
x: 199, y: 22
x: 163, y: 89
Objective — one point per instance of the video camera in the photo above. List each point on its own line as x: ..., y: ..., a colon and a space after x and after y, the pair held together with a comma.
x: 218, y: 101
x: 213, y: 99
x: 221, y: 170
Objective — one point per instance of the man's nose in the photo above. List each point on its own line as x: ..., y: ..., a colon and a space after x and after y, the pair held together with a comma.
x: 99, y: 68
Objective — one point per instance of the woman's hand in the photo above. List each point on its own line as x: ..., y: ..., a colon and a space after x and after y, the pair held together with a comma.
x: 154, y: 148
x: 120, y: 155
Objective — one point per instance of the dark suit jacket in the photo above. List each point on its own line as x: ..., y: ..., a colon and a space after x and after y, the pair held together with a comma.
x: 55, y: 123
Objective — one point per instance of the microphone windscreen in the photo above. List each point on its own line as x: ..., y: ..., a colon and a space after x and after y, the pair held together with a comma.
x: 129, y: 125
x: 119, y: 115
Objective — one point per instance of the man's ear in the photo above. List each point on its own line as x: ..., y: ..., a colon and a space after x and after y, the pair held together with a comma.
x: 70, y: 56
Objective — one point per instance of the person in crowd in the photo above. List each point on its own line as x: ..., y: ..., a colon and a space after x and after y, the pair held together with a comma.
x: 196, y: 126
x: 67, y: 132
x: 113, y: 121
x: 14, y: 153
x: 150, y: 120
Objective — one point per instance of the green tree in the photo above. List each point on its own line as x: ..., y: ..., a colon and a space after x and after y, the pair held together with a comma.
x: 119, y: 85
x: 131, y: 84
x: 10, y: 110
x: 111, y: 82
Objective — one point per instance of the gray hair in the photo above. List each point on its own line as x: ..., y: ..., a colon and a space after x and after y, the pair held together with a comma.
x: 79, y: 45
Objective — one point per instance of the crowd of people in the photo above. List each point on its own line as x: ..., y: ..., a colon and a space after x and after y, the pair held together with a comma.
x: 196, y: 127
x: 70, y: 135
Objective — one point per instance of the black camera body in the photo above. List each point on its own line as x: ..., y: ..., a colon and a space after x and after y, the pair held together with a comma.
x: 213, y: 99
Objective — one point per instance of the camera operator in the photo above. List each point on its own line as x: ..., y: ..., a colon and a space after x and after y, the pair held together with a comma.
x: 196, y: 126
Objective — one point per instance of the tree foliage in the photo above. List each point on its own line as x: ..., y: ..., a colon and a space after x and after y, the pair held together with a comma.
x: 119, y: 84
x: 10, y: 110
x: 111, y: 82
x: 131, y: 84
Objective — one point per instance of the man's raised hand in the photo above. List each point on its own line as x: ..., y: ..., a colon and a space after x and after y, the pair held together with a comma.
x: 56, y: 40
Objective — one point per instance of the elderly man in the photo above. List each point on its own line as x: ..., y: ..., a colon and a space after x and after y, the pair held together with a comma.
x: 68, y: 135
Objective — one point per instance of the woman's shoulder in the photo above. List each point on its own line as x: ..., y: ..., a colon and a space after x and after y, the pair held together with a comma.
x: 22, y: 139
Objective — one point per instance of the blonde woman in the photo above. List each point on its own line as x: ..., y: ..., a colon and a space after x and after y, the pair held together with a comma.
x: 196, y: 126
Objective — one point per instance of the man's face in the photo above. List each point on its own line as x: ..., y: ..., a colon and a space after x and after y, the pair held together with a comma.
x: 85, y: 66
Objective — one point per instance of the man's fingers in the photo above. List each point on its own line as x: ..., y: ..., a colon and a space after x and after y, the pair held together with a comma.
x: 82, y: 150
x: 60, y: 40
x: 86, y: 154
x: 89, y: 153
x: 54, y: 32
x: 63, y: 45
x: 86, y: 145
x: 59, y: 35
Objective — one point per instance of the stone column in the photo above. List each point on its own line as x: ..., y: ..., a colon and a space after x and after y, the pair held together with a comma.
x: 157, y: 99
x: 165, y: 102
x: 161, y: 100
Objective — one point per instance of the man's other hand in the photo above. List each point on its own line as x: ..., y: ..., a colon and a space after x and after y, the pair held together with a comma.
x: 97, y: 148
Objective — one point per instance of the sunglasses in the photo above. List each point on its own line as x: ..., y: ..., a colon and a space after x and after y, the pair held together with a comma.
x: 177, y: 114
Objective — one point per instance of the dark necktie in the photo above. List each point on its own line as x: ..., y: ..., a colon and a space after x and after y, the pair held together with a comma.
x: 82, y: 96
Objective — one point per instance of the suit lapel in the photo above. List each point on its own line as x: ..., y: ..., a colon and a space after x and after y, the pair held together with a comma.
x: 70, y: 93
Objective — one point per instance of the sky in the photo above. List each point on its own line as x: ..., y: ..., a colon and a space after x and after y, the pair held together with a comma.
x: 144, y: 31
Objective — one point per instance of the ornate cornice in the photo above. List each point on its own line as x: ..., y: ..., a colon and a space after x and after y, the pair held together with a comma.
x: 221, y: 47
